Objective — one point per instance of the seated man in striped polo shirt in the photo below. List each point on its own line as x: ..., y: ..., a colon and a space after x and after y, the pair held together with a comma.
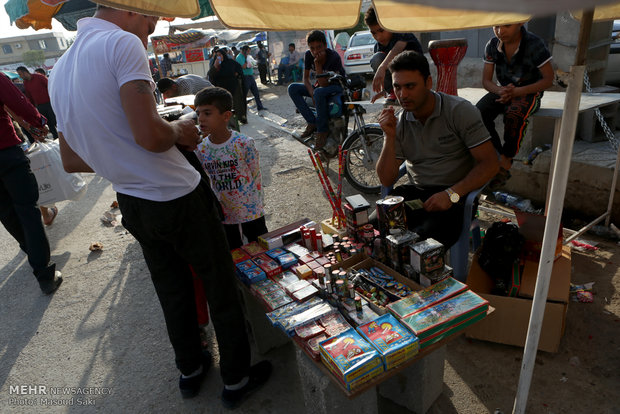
x: 183, y: 85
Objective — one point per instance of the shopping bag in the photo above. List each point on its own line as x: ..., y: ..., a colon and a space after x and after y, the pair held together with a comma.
x: 55, y: 184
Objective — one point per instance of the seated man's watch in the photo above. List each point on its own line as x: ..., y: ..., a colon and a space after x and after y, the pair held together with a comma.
x: 454, y: 196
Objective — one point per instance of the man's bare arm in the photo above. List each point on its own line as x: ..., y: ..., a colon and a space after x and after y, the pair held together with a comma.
x: 377, y: 82
x: 487, y: 165
x: 71, y: 162
x: 388, y: 165
x: 150, y: 130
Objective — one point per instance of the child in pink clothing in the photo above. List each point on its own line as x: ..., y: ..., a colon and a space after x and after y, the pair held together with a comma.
x: 232, y: 163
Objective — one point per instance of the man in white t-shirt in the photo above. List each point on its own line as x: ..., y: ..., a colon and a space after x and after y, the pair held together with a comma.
x: 112, y: 127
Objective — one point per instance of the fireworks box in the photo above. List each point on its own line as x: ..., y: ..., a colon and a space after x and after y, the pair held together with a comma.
x: 426, y: 298
x: 287, y: 260
x: 398, y: 251
x: 429, y: 279
x: 334, y: 324
x: 285, y: 278
x: 284, y: 235
x: 445, y: 318
x: 253, y: 249
x: 267, y: 264
x: 392, y: 340
x: 427, y: 256
x: 239, y: 255
x: 272, y: 294
x: 249, y: 273
x: 351, y: 359
x: 274, y: 253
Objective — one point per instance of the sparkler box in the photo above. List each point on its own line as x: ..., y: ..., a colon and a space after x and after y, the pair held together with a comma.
x: 350, y: 358
x: 391, y: 339
x: 425, y: 298
x: 253, y: 249
x: 267, y: 264
x: 239, y: 255
x: 284, y: 235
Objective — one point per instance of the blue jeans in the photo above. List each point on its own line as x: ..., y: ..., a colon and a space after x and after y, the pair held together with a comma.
x: 297, y: 92
x: 285, y: 73
x: 250, y: 85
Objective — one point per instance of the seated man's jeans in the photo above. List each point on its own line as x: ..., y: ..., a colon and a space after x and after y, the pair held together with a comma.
x: 297, y: 92
x: 375, y: 62
x: 285, y: 73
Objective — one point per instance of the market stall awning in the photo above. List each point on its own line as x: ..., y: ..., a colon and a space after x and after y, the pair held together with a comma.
x: 38, y: 14
x: 163, y: 44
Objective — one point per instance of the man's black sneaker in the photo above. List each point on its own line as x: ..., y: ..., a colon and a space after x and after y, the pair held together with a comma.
x: 259, y: 374
x: 190, y: 386
x: 50, y: 286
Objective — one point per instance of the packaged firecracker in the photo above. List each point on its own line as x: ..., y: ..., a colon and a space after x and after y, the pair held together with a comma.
x: 292, y: 308
x: 253, y: 249
x: 391, y: 214
x: 303, y: 271
x: 312, y: 346
x: 243, y: 266
x: 253, y: 275
x: 313, y: 265
x: 287, y: 260
x: 427, y: 297
x: 306, y: 258
x: 297, y: 249
x: 274, y: 253
x: 308, y: 330
x: 357, y: 207
x: 351, y: 359
x: 305, y: 293
x: 398, y: 243
x: 294, y: 287
x: 276, y: 299
x: 285, y: 278
x: 391, y: 339
x: 267, y: 264
x: 239, y: 255
x: 313, y: 313
x: 334, y: 323
x: 264, y: 287
x: 427, y: 256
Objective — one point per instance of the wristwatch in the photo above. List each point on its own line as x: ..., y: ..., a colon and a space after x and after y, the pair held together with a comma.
x: 454, y: 196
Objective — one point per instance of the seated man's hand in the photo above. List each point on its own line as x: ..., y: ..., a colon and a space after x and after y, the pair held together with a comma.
x: 388, y: 121
x: 438, y: 202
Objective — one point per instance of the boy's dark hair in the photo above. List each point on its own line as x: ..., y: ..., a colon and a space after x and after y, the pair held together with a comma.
x: 21, y: 69
x: 245, y: 47
x: 316, y: 36
x: 291, y: 44
x: 370, y: 17
x: 216, y: 96
x: 166, y: 55
x: 410, y: 60
x: 164, y: 84
x: 40, y: 70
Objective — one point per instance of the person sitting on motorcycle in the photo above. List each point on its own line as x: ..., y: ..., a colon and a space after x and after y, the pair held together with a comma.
x: 320, y: 59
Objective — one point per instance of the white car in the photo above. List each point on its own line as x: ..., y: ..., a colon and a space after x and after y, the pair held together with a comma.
x: 359, y: 51
x: 612, y: 75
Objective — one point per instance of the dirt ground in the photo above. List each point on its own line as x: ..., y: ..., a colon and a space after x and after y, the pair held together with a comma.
x: 103, y: 330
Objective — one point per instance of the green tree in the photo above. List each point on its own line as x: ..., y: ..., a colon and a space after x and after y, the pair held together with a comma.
x: 33, y: 58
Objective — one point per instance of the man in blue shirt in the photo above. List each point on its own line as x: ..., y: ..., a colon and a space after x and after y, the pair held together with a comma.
x: 320, y: 59
x: 249, y: 83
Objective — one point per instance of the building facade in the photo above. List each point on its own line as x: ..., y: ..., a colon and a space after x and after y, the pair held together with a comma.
x: 53, y: 44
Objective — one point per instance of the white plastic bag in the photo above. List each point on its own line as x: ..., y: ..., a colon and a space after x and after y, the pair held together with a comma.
x: 54, y: 183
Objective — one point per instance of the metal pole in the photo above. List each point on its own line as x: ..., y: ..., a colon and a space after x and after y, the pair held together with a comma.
x: 555, y: 205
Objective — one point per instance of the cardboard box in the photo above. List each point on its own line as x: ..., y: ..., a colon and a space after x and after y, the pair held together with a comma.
x: 559, y: 286
x: 509, y: 322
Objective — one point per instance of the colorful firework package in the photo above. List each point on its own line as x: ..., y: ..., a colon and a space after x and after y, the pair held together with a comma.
x: 391, y: 214
x: 426, y: 298
x: 351, y: 359
x: 427, y: 256
x: 392, y: 340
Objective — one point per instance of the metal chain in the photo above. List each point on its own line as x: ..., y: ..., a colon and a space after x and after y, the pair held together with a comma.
x: 608, y: 132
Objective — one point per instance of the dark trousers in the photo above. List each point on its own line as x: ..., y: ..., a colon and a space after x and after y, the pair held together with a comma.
x: 443, y: 226
x: 250, y: 229
x: 262, y: 72
x: 250, y: 85
x: 175, y: 234
x: 47, y: 111
x: 516, y: 114
x: 19, y: 214
x: 240, y: 105
x: 375, y: 62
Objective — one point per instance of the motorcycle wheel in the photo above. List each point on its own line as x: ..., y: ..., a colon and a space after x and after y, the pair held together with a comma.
x: 360, y: 167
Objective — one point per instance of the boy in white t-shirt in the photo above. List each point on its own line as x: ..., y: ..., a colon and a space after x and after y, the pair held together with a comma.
x: 232, y: 163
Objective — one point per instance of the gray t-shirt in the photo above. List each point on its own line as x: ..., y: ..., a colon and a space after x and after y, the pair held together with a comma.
x: 437, y: 153
x: 192, y: 84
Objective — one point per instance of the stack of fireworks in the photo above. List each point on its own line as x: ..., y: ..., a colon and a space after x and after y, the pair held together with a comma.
x: 289, y: 317
x: 356, y: 212
x: 428, y: 262
x: 351, y: 359
x: 392, y: 340
x: 310, y: 334
x: 378, y: 287
x: 439, y: 310
x: 335, y: 198
x: 398, y: 244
